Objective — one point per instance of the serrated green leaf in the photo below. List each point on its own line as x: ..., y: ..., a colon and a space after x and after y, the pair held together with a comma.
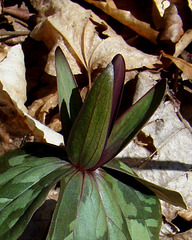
x: 69, y: 98
x: 128, y: 125
x: 24, y: 183
x: 88, y: 134
x: 167, y: 195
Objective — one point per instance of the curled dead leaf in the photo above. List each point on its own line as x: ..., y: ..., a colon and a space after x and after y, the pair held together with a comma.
x: 161, y: 5
x: 12, y: 76
x: 4, y: 49
x: 82, y: 43
x: 184, y: 41
x: 186, y: 214
x: 41, y: 107
x: 172, y: 25
x: 190, y: 4
x: 142, y: 28
x: 13, y: 96
x: 181, y: 64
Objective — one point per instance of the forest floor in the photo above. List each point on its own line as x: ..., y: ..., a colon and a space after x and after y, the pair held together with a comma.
x: 155, y: 39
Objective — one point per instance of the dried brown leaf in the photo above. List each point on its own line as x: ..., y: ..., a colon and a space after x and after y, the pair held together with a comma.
x: 12, y: 76
x: 190, y: 4
x: 14, y: 114
x: 41, y: 107
x: 184, y: 41
x: 181, y: 64
x: 161, y: 5
x: 186, y: 214
x: 142, y: 28
x: 3, y: 51
x: 172, y: 25
x: 169, y: 165
x: 76, y: 31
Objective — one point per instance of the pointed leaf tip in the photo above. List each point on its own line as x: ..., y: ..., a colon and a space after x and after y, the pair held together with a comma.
x: 119, y: 76
x: 128, y: 125
x: 69, y: 98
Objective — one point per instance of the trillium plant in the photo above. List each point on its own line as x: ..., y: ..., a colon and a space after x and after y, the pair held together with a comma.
x: 100, y: 197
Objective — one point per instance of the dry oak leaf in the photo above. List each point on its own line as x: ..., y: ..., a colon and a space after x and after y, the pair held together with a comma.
x: 12, y: 80
x: 172, y: 24
x: 76, y: 31
x: 169, y: 166
x: 184, y: 41
x: 125, y: 17
x: 181, y: 64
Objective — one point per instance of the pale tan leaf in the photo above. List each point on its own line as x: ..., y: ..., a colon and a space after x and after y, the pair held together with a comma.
x: 12, y: 76
x: 43, y: 132
x: 80, y: 40
x: 161, y: 5
x: 111, y: 3
x: 186, y: 214
x: 13, y: 98
x: 184, y: 41
x: 142, y: 28
x: 4, y: 49
x: 170, y: 164
x: 158, y: 10
x: 172, y: 25
x: 181, y: 64
x: 41, y: 107
x: 190, y: 4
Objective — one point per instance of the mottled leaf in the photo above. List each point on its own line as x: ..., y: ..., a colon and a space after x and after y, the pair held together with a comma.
x: 69, y: 98
x: 87, y: 210
x: 94, y: 205
x: 139, y: 205
x: 119, y: 169
x: 24, y: 183
x: 128, y: 125
x: 88, y: 134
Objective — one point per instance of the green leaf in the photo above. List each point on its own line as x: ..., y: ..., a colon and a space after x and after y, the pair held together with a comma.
x: 94, y: 205
x: 24, y: 183
x: 125, y: 172
x: 86, y: 210
x: 69, y: 98
x: 88, y: 134
x: 128, y: 125
x: 140, y: 207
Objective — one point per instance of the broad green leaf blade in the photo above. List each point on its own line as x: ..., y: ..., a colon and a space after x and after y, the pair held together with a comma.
x: 128, y: 125
x: 24, y: 183
x: 140, y: 207
x: 69, y: 98
x: 88, y: 134
x: 115, y: 166
x: 86, y: 210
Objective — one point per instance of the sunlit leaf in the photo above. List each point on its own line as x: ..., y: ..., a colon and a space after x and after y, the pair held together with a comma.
x: 88, y: 134
x: 118, y: 169
x: 128, y: 125
x: 24, y: 183
x: 128, y: 19
x: 186, y: 67
x: 69, y: 98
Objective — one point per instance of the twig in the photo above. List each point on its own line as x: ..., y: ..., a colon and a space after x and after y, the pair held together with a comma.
x: 19, y: 13
x: 14, y: 34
